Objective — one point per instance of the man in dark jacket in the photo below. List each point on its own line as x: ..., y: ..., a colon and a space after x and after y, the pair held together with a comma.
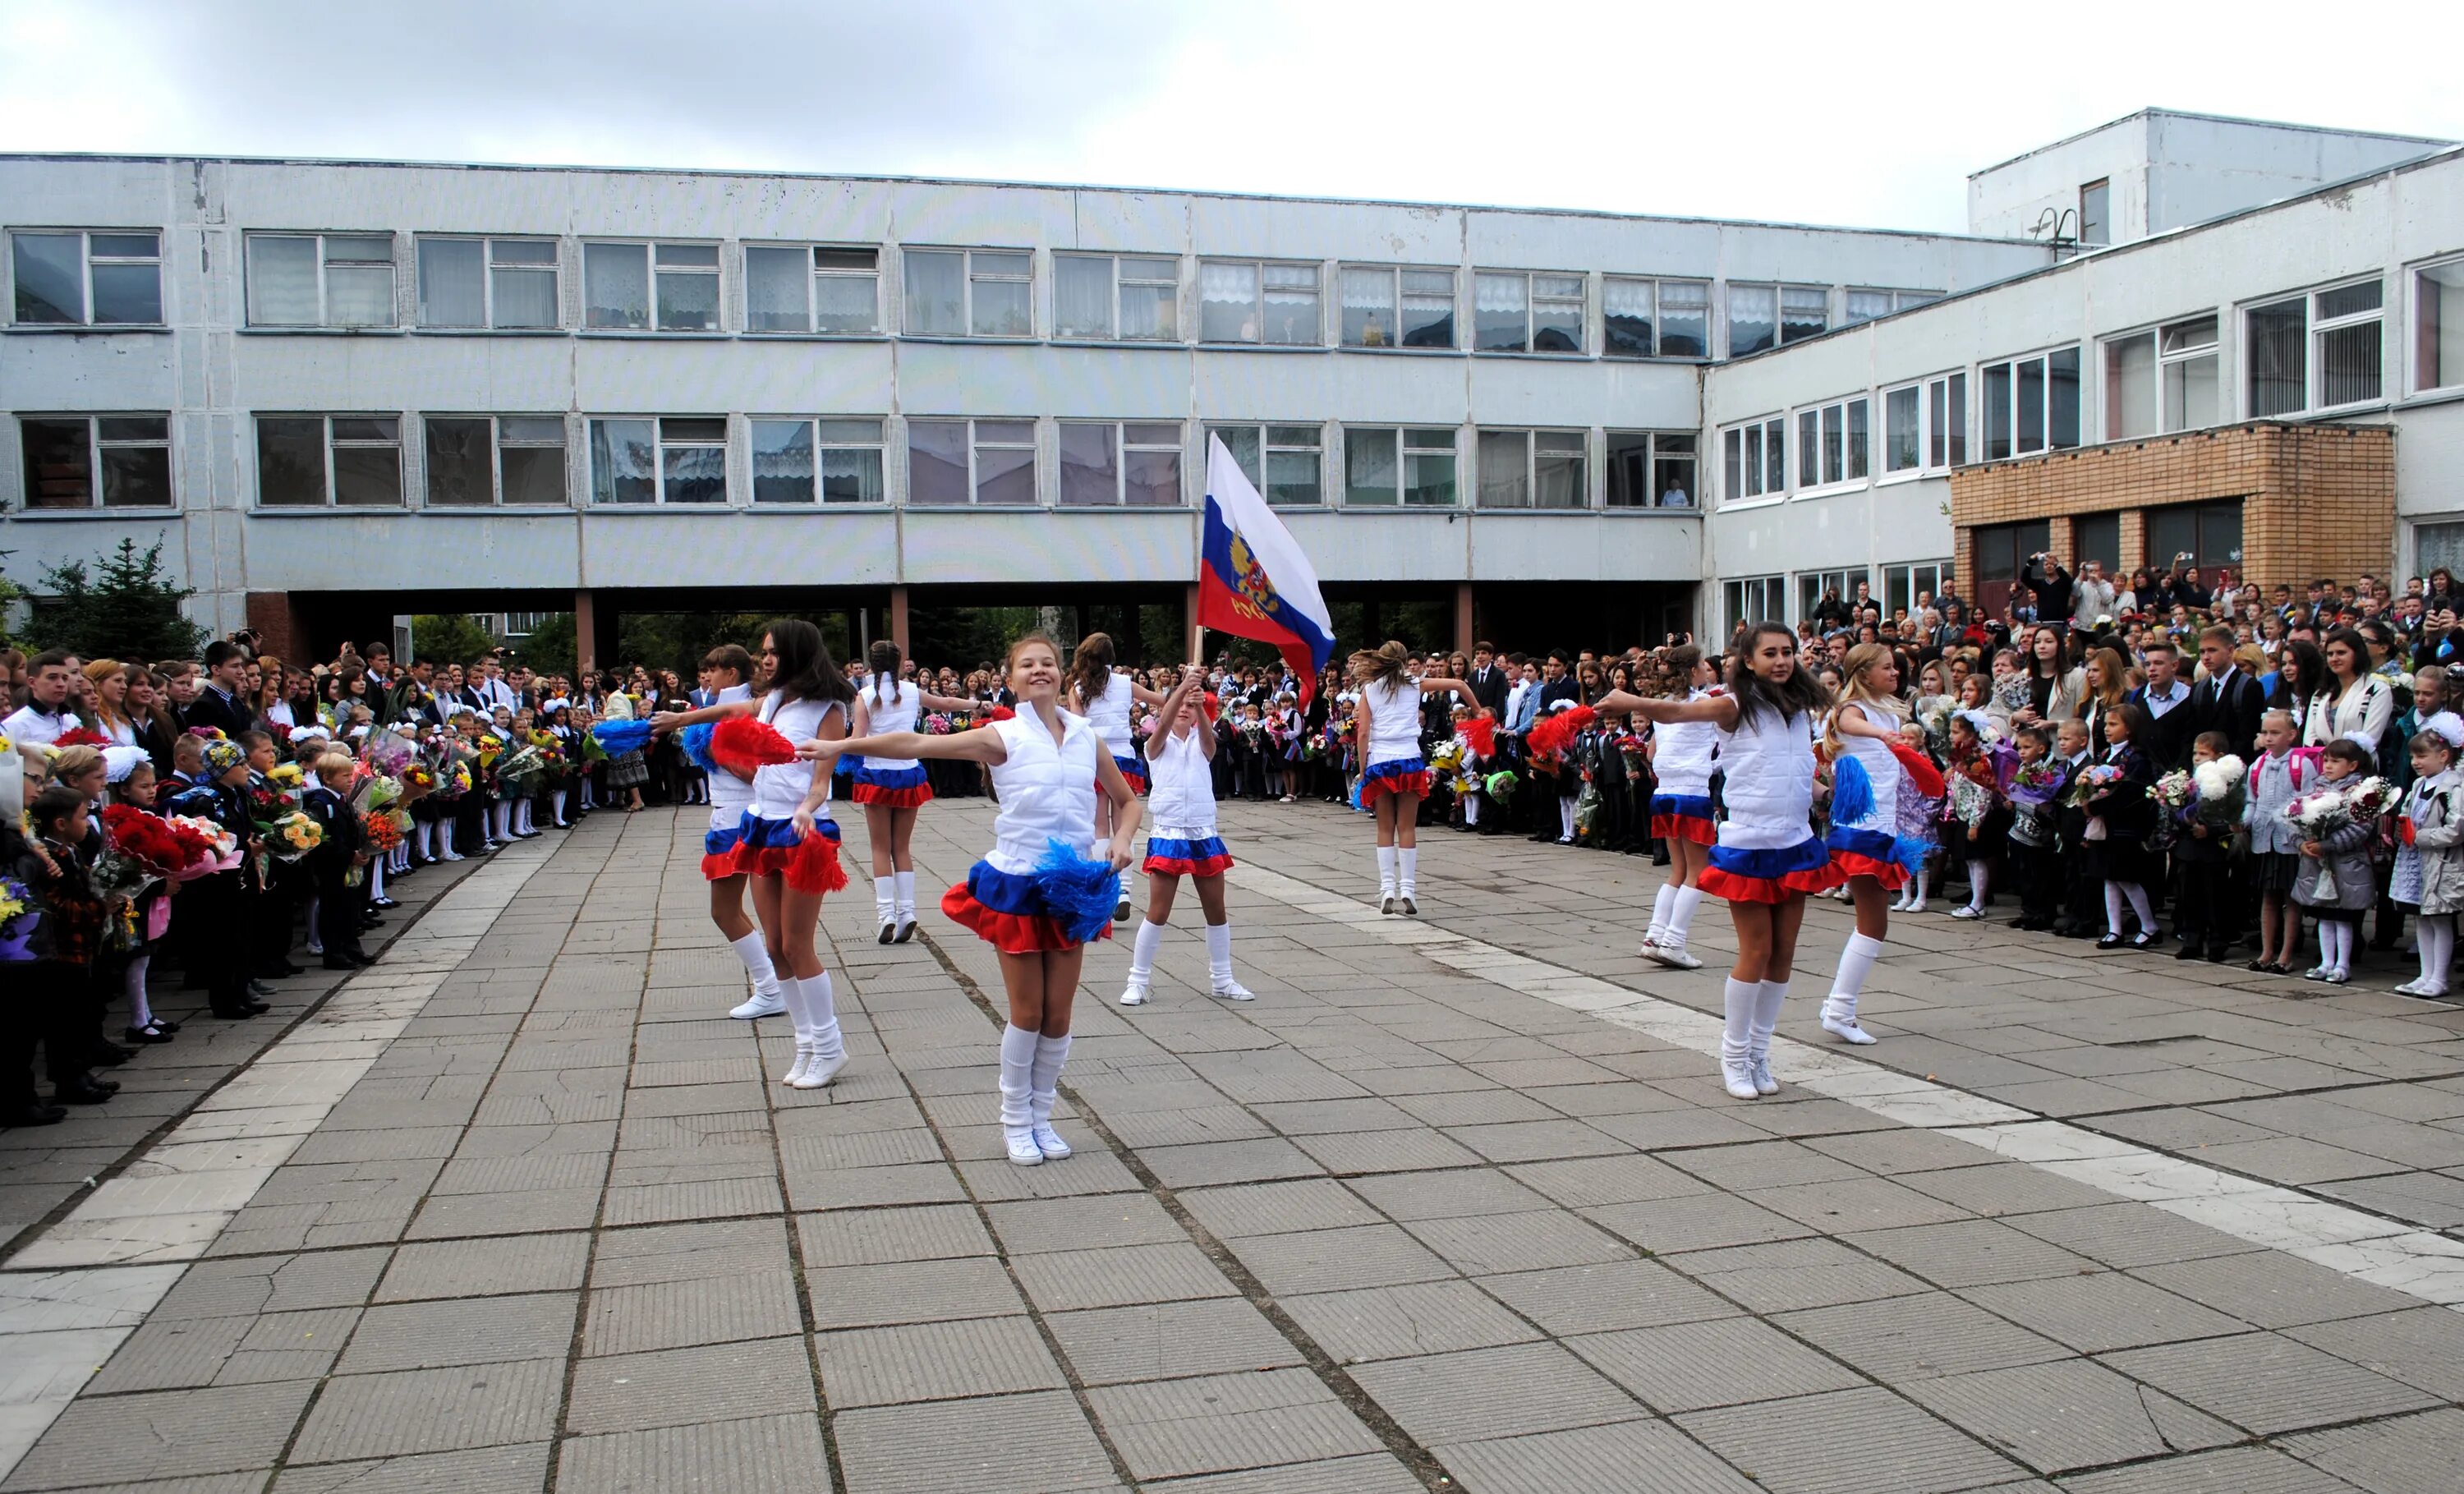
x: 2045, y: 577
x: 2227, y: 701
x: 1487, y: 680
x: 218, y: 704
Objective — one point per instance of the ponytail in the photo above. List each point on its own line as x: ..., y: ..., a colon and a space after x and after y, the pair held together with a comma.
x: 884, y: 658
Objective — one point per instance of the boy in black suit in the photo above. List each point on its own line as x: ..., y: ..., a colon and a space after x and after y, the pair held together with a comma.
x: 339, y: 904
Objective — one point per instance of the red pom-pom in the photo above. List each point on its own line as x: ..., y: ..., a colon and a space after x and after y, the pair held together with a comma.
x: 79, y: 737
x: 742, y: 744
x: 1480, y: 733
x: 1922, y: 775
x: 1556, y: 732
x: 1001, y: 714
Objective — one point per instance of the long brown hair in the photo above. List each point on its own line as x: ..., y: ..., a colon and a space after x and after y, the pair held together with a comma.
x: 1090, y: 667
x: 884, y: 658
x: 1801, y: 694
x: 1386, y: 664
x: 1680, y: 662
x: 2117, y: 683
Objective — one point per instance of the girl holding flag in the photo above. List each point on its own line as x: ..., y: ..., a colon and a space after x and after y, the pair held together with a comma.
x: 1183, y: 843
x: 1037, y: 896
x: 1394, y: 779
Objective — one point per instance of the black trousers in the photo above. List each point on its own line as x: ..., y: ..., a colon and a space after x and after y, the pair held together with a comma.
x: 338, y: 911
x: 2038, y: 871
x: 52, y: 1007
x: 2200, y: 904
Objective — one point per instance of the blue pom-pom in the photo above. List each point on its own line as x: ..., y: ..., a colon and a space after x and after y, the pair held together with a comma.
x: 695, y: 740
x: 1852, y: 792
x: 1078, y: 893
x: 619, y: 737
x: 1910, y: 852
x: 845, y: 766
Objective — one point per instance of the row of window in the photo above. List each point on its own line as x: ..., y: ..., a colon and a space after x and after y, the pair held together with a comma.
x: 471, y: 283
x: 314, y: 461
x: 1765, y: 599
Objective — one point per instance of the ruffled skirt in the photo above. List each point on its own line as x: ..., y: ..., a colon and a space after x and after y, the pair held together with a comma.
x: 1770, y: 874
x: 1687, y: 817
x: 900, y: 788
x: 1132, y: 769
x: 1394, y: 776
x: 773, y: 847
x: 1175, y: 856
x: 1866, y: 853
x: 1007, y: 911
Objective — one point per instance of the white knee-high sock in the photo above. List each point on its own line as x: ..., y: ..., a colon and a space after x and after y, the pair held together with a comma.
x: 1737, y: 1006
x: 1050, y: 1053
x: 1661, y: 903
x: 1407, y: 860
x: 1017, y: 1076
x: 500, y: 820
x: 884, y: 899
x: 2430, y: 933
x: 1924, y: 874
x: 1219, y: 954
x: 1978, y: 875
x: 1856, y: 964
x: 522, y: 816
x: 1566, y: 819
x: 141, y: 1013
x: 376, y: 878
x: 556, y: 805
x: 1142, y: 951
x: 756, y: 956
x: 1681, y: 915
x: 1471, y: 809
x: 1768, y: 1000
x: 904, y: 886
x: 1385, y: 870
x: 2113, y: 909
x: 2138, y: 896
x: 791, y: 991
x: 444, y: 839
x: 821, y: 1009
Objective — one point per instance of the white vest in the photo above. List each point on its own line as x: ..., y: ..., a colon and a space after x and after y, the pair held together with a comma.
x: 1768, y: 782
x: 1180, y: 782
x: 1109, y: 714
x: 893, y: 713
x: 1881, y: 769
x: 1682, y: 763
x: 779, y: 789
x: 1394, y: 721
x: 1048, y: 790
x: 727, y: 792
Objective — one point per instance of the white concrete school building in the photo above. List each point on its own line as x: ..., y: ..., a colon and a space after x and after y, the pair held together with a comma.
x: 341, y: 390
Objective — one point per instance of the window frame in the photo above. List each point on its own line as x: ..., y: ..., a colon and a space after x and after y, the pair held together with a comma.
x: 1406, y: 469
x: 1736, y: 593
x: 2323, y: 326
x: 1258, y: 266
x: 325, y: 322
x: 2102, y: 185
x: 968, y: 279
x: 1532, y: 299
x: 329, y: 444
x: 1653, y: 457
x: 1269, y: 449
x: 1905, y: 573
x: 1122, y: 448
x: 659, y: 447
x: 1394, y: 273
x: 1660, y: 287
x: 86, y: 260
x: 813, y: 275
x: 2162, y: 360
x: 2314, y: 328
x: 1847, y: 580
x: 1779, y: 291
x: 95, y: 444
x: 1532, y: 453
x: 1756, y: 450
x: 1033, y: 447
x: 652, y: 271
x: 497, y: 449
x: 2418, y: 333
x: 1828, y: 457
x: 554, y: 267
x: 1117, y: 281
x: 2016, y: 363
x: 822, y: 445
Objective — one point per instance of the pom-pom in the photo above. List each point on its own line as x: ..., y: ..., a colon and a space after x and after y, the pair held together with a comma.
x: 1920, y: 769
x: 1910, y: 852
x: 80, y: 736
x: 696, y: 741
x: 1852, y: 791
x: 1557, y: 733
x: 1078, y: 893
x: 742, y: 744
x: 1001, y: 714
x: 620, y: 738
x: 1481, y: 734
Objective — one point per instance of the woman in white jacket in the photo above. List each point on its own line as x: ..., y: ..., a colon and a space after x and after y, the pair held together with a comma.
x: 2055, y: 691
x: 2355, y: 703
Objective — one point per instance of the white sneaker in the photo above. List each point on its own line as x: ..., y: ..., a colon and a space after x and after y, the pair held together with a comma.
x: 1759, y: 1072
x: 905, y: 929
x: 1846, y: 1028
x: 889, y: 928
x: 761, y: 1005
x: 1386, y: 902
x: 1022, y: 1148
x: 1049, y: 1141
x: 796, y: 1070
x: 1916, y: 907
x: 1235, y: 992
x: 819, y: 1071
x: 1968, y: 911
x: 1740, y: 1079
x: 1134, y: 994
x: 1676, y: 957
x: 1411, y: 909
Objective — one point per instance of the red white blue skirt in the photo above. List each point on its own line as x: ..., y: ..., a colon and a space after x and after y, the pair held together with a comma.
x: 773, y: 847
x: 1200, y: 856
x: 1866, y: 853
x: 900, y: 788
x: 1006, y: 909
x: 1132, y: 769
x: 1687, y: 817
x: 1770, y: 874
x: 1394, y: 776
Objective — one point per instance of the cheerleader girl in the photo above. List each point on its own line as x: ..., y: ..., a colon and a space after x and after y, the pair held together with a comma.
x: 1864, y: 820
x: 1103, y: 699
x: 788, y: 846
x: 1047, y: 766
x: 1680, y: 811
x: 1768, y: 858
x: 1386, y: 729
x: 892, y: 790
x: 727, y: 673
x: 1183, y: 843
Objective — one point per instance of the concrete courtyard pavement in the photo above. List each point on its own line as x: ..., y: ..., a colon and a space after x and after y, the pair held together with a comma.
x: 1457, y: 1203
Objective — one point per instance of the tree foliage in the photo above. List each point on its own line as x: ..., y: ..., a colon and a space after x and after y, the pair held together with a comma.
x: 450, y: 637
x: 123, y: 608
x: 548, y: 648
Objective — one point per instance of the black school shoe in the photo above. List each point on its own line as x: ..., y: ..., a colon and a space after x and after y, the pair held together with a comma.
x: 34, y: 1112
x: 83, y: 1090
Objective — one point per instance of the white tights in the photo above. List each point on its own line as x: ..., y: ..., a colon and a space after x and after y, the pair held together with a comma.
x: 2336, y: 943
x: 2436, y: 933
x: 2117, y: 892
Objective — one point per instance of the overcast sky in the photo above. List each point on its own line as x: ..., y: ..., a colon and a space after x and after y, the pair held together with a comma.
x: 1823, y: 114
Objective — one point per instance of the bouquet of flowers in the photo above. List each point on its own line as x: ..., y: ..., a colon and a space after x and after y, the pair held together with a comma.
x: 374, y: 792
x: 2034, y: 784
x: 2222, y: 790
x: 492, y: 746
x: 292, y: 835
x: 1501, y: 786
x: 937, y: 724
x: 418, y: 779
x: 2091, y: 782
x: 17, y: 921
x: 383, y: 829
x: 208, y: 847
x: 552, y: 763
x: 1446, y: 756
x: 1967, y: 800
x: 517, y: 771
x: 144, y: 838
x: 388, y: 752
x: 119, y: 878
x: 288, y: 776
x: 1936, y: 717
x: 2172, y: 792
x: 2012, y: 691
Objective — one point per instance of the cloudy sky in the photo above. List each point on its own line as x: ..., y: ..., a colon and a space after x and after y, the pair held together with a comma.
x: 1827, y: 114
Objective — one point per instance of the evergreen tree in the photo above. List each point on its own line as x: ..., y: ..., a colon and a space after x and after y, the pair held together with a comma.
x: 125, y: 608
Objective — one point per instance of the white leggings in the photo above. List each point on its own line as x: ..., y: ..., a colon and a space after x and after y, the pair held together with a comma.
x: 2336, y: 943
x: 2114, y: 894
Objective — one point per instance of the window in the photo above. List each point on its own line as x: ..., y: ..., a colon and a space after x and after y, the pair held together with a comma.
x: 2163, y: 380
x: 98, y: 279
x: 1388, y: 306
x: 1527, y: 468
x: 2096, y: 214
x: 1244, y: 302
x: 1947, y: 422
x: 1650, y: 470
x: 963, y: 461
x: 2319, y: 351
x: 1518, y: 313
x: 1754, y: 460
x: 1414, y: 467
x: 479, y: 460
x: 1110, y: 464
x: 320, y: 281
x: 2438, y: 326
x: 1834, y: 444
x: 1811, y: 585
x: 89, y: 461
x: 845, y: 459
x: 1293, y: 474
x: 2032, y: 405
x: 1804, y: 312
x: 674, y: 459
x: 1132, y: 298
x: 2002, y: 553
x: 1903, y: 429
x: 1758, y: 599
x: 796, y: 288
x: 2097, y: 537
x: 2434, y: 545
x: 641, y: 287
x: 1904, y: 584
x: 2208, y: 533
x: 1633, y: 311
x: 328, y: 461
x: 1864, y: 305
x: 979, y: 293
x: 504, y: 283
x: 1766, y: 316
x: 2130, y: 386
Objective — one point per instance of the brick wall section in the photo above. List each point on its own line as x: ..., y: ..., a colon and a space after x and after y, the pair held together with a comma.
x: 277, y: 626
x: 2316, y: 499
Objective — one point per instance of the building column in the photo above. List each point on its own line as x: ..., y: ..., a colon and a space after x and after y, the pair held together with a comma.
x: 898, y: 619
x: 585, y: 634
x: 1463, y: 625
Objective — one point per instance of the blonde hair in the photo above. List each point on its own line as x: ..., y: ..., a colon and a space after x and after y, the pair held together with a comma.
x: 1384, y: 665
x: 69, y: 761
x: 335, y: 762
x: 1855, y: 692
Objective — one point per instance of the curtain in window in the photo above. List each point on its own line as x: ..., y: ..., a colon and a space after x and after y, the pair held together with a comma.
x: 451, y: 283
x: 282, y: 282
x: 1504, y: 469
x: 2278, y: 378
x: 1083, y: 290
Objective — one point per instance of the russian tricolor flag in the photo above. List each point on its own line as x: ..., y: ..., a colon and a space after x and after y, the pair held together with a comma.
x: 1253, y: 582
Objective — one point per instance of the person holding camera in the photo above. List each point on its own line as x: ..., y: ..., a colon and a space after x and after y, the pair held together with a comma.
x: 2054, y: 590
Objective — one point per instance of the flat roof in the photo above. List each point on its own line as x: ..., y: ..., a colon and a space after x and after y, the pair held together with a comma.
x: 2153, y: 112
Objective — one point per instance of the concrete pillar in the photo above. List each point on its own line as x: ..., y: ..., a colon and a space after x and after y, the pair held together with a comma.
x: 898, y: 619
x: 1465, y: 635
x: 585, y: 633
